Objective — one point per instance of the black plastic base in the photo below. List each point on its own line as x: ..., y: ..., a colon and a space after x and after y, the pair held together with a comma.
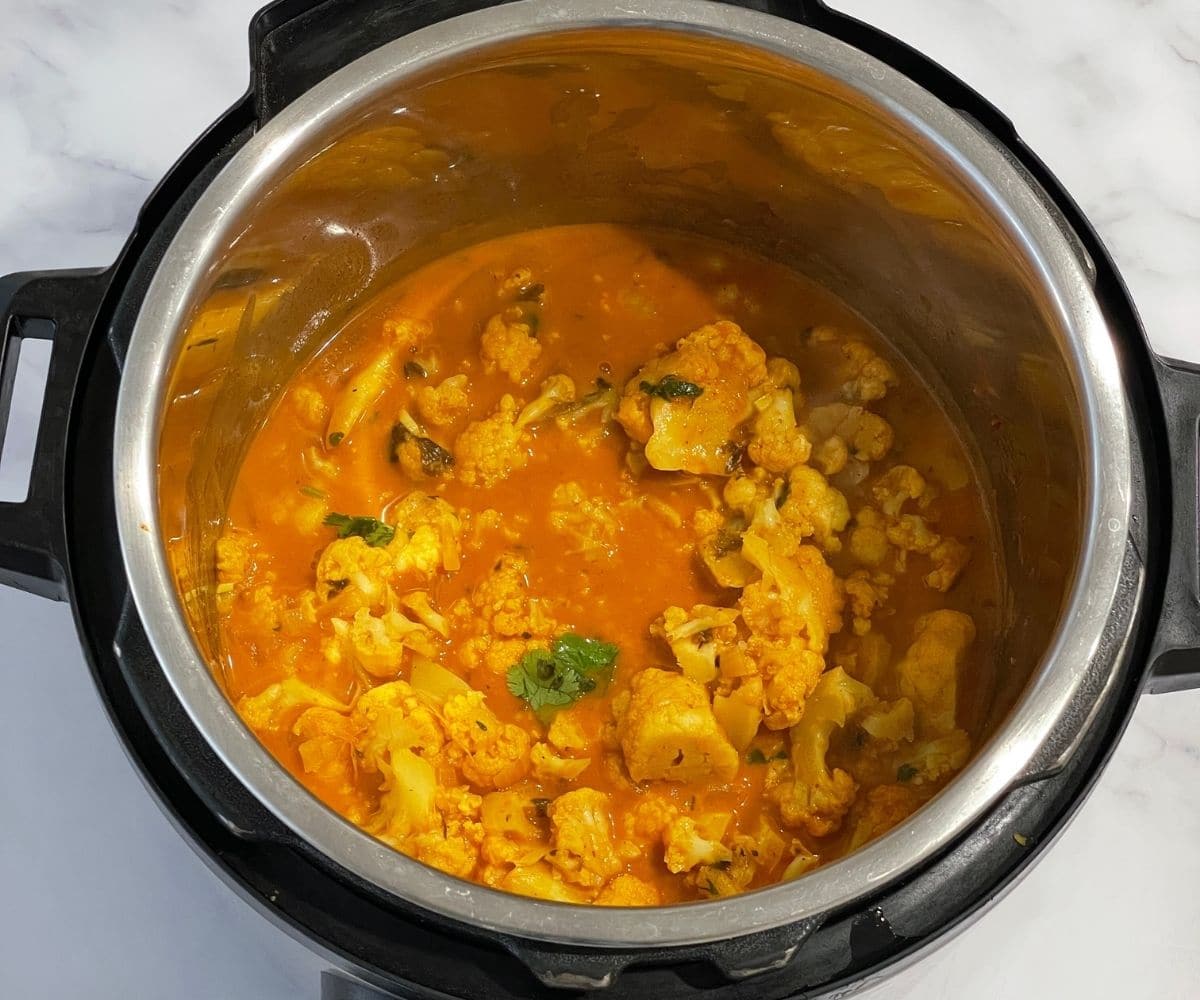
x: 339, y: 986
x: 415, y: 954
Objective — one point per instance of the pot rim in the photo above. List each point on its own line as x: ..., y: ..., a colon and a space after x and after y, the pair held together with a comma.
x: 997, y: 767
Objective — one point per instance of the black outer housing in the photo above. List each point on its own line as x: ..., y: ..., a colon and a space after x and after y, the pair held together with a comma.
x: 63, y: 542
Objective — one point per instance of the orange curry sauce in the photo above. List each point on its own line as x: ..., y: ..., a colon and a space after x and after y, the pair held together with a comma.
x: 604, y: 300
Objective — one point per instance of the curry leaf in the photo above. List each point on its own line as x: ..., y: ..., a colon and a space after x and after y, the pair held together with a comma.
x: 435, y: 460
x: 672, y: 387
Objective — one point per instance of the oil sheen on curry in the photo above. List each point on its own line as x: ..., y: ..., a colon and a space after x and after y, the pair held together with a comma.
x: 609, y: 566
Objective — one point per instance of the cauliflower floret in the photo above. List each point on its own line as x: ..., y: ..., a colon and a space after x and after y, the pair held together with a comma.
x: 790, y: 613
x: 582, y: 836
x: 490, y: 450
x: 783, y: 374
x: 843, y: 431
x: 398, y: 738
x: 748, y: 855
x: 407, y: 797
x: 628, y: 890
x: 949, y: 558
x: 802, y: 862
x: 875, y: 533
x: 721, y: 552
x: 688, y: 407
x: 694, y: 637
x: 378, y: 644
x: 454, y: 855
x: 865, y: 593
x: 817, y: 798
x: 776, y: 443
x: 235, y: 558
x: 567, y: 733
x: 865, y: 376
x: 510, y: 345
x: 647, y: 820
x: 687, y: 846
x: 668, y: 731
x: 790, y: 672
x: 390, y: 717
x: 419, y: 604
x: 882, y: 808
x: 454, y: 848
x: 928, y: 671
x: 556, y: 391
x: 542, y: 882
x: 494, y: 753
x: 443, y: 404
x: 931, y: 760
x: 588, y: 521
x: 896, y: 487
x: 813, y: 508
x: 263, y: 610
x: 325, y: 736
x: 831, y: 456
x: 273, y: 708
x: 503, y: 619
x: 868, y: 539
x: 428, y: 533
x: 351, y: 564
x: 889, y: 722
x: 515, y: 831
x: 797, y: 597
x: 547, y: 765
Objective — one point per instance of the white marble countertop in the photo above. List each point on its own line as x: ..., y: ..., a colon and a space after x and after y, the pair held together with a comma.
x: 102, y: 899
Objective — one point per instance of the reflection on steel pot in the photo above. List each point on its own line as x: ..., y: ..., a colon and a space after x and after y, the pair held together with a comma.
x: 903, y: 192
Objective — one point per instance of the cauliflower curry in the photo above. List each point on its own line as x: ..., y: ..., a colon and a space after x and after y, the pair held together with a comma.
x: 609, y: 566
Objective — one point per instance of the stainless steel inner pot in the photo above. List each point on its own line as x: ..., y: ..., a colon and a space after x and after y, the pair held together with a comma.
x: 725, y: 122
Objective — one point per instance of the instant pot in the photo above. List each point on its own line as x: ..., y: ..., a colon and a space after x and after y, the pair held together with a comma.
x: 371, y: 141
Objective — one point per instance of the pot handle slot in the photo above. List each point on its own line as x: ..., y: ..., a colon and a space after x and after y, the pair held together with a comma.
x: 295, y: 44
x: 32, y: 532
x: 1175, y: 651
x: 735, y: 959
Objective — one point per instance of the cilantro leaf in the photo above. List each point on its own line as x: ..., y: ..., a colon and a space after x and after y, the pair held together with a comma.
x: 548, y: 679
x: 906, y: 772
x: 372, y: 531
x: 537, y: 678
x: 672, y: 387
x: 585, y: 656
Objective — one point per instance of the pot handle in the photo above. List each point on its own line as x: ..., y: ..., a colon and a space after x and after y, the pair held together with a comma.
x: 1175, y: 651
x: 33, y: 538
